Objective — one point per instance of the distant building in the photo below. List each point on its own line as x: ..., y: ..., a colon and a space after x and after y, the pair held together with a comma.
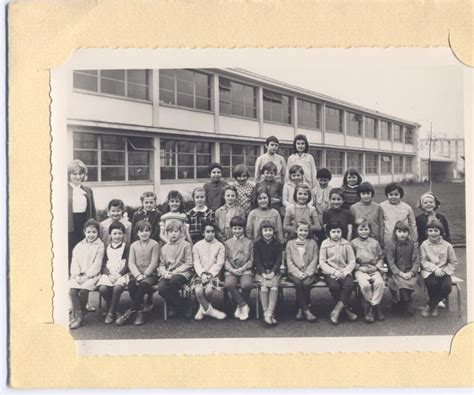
x: 140, y: 130
x: 447, y: 159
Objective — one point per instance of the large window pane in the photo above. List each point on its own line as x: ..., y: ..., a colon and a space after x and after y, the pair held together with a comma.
x: 136, y: 173
x: 277, y: 107
x: 113, y: 158
x: 112, y: 87
x: 113, y: 142
x: 384, y: 131
x: 334, y: 161
x: 86, y: 82
x: 85, y: 140
x: 168, y: 173
x: 113, y: 74
x: 185, y: 172
x: 92, y: 173
x: 138, y: 76
x: 371, y: 163
x: 137, y: 91
x: 354, y: 124
x: 185, y: 159
x: 113, y: 173
x: 88, y: 157
x: 333, y: 119
x: 185, y: 100
x: 370, y: 128
x: 141, y: 158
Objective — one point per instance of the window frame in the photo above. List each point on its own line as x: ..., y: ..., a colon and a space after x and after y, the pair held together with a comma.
x: 254, y: 106
x: 299, y: 104
x: 231, y: 155
x: 400, y: 131
x: 359, y: 124
x: 389, y: 130
x: 266, y: 95
x: 341, y: 119
x: 397, y: 167
x: 375, y: 135
x: 408, y: 159
x: 328, y: 165
x: 361, y: 167
x: 368, y: 169
x: 408, y: 132
x: 382, y: 161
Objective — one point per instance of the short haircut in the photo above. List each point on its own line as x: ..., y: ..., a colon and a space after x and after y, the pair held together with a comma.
x: 433, y: 196
x: 352, y: 171
x: 436, y: 224
x: 143, y: 225
x: 394, y: 186
x: 208, y: 223
x: 334, y: 225
x: 77, y: 165
x: 269, y: 166
x: 240, y: 170
x: 271, y: 139
x: 401, y: 225
x: 174, y: 224
x: 324, y: 173
x: 92, y: 222
x: 265, y: 224
x: 174, y: 195
x: 230, y: 188
x: 116, y: 203
x: 237, y: 220
x: 198, y: 189
x: 116, y: 225
x: 296, y: 169
x: 366, y: 187
x: 146, y: 195
x: 302, y: 222
x: 300, y: 137
x: 302, y: 186
x: 214, y: 165
x: 337, y: 191
x: 258, y: 192
x: 363, y: 222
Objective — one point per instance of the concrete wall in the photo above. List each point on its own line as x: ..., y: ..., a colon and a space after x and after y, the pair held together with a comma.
x: 283, y: 132
x: 352, y: 141
x: 178, y: 118
x: 334, y: 138
x: 238, y: 126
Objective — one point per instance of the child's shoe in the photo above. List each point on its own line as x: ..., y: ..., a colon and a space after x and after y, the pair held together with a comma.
x: 426, y: 311
x: 124, y: 318
x: 200, y: 314
x: 238, y: 312
x: 336, y: 312
x: 139, y: 319
x: 273, y: 319
x: 90, y: 308
x: 214, y: 313
x: 148, y: 307
x: 379, y: 316
x: 76, y: 323
x: 267, y: 317
x: 369, y: 315
x: 299, y: 315
x: 434, y: 311
x: 350, y: 315
x: 244, y: 313
x: 442, y: 305
x: 309, y: 316
x: 410, y: 308
x: 109, y: 318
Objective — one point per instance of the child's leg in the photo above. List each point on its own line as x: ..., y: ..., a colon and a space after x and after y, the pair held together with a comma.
x: 335, y: 287
x: 175, y: 283
x: 246, y: 284
x: 116, y: 294
x: 434, y: 289
x: 76, y: 303
x: 364, y: 285
x: 272, y: 300
x: 347, y: 288
x: 133, y: 291
x: 231, y: 282
x: 307, y: 284
x: 300, y: 292
x: 201, y: 297
x: 106, y: 293
x: 143, y: 289
x: 84, y: 297
x: 264, y: 298
x: 378, y: 288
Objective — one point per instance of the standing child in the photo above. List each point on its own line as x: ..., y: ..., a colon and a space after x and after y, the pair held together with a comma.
x: 114, y: 270
x: 335, y: 213
x: 115, y: 211
x: 149, y: 213
x: 175, y: 203
x: 273, y: 187
x: 215, y: 188
x: 429, y: 204
x: 403, y: 263
x: 228, y: 211
x: 199, y: 214
x: 296, y: 177
x: 271, y: 144
x: 367, y: 209
x: 245, y: 188
x: 238, y: 268
x: 368, y: 271
x: 301, y: 157
x: 86, y: 263
x: 321, y: 197
x: 268, y: 258
x: 337, y: 262
x: 142, y: 263
x: 395, y: 210
x: 301, y: 211
x: 209, y: 256
x: 302, y: 262
x: 263, y: 212
x: 438, y: 263
x: 176, y: 267
x: 350, y: 183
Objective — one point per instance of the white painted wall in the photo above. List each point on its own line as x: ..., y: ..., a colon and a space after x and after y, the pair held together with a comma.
x: 313, y: 136
x: 238, y: 126
x: 386, y: 145
x: 334, y: 138
x: 373, y: 179
x: 352, y: 141
x: 398, y: 147
x: 371, y: 143
x: 178, y: 118
x: 385, y: 178
x: 283, y: 132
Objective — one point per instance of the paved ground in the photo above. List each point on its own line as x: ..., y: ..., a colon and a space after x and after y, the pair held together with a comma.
x: 447, y: 323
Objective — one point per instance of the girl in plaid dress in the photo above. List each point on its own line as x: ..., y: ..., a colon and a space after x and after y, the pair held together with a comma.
x: 199, y: 215
x: 245, y: 188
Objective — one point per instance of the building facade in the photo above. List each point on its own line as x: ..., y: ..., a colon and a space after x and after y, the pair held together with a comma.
x: 140, y: 130
x: 447, y: 159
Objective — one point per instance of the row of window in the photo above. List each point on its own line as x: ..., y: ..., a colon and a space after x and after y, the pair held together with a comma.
x: 119, y: 158
x: 192, y: 89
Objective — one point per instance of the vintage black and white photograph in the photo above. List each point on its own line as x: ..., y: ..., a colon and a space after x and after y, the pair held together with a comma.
x: 260, y: 200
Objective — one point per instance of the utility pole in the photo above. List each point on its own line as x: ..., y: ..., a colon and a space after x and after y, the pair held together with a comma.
x: 429, y: 153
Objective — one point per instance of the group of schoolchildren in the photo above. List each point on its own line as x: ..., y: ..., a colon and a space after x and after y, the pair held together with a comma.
x: 245, y: 233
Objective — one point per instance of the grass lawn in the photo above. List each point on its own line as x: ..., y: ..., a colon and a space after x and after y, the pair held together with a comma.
x: 453, y: 204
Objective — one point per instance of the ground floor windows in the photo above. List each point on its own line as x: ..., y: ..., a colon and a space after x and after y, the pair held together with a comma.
x: 408, y: 164
x: 386, y: 164
x: 235, y: 154
x: 354, y: 159
x: 398, y: 164
x: 371, y: 163
x: 335, y: 162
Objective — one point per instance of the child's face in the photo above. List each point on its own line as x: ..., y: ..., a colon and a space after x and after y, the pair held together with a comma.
x: 323, y: 182
x: 336, y: 200
x: 262, y: 200
x: 351, y: 179
x: 216, y: 174
x: 242, y: 179
x: 363, y: 231
x: 237, y: 231
x: 200, y: 198
x: 272, y: 147
x: 428, y: 204
x: 230, y: 197
x: 116, y: 236
x: 76, y: 177
x: 174, y: 234
x: 433, y: 234
x: 296, y: 177
x: 394, y: 197
x: 401, y: 234
x: 365, y: 197
x: 335, y: 234
x: 148, y: 204
x: 115, y: 213
x: 91, y: 234
x: 209, y: 233
x: 267, y: 233
x: 269, y: 175
x: 174, y: 204
x: 302, y: 232
x: 302, y: 196
x: 144, y: 234
x: 300, y: 146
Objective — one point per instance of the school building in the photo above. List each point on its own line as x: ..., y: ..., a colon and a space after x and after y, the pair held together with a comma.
x: 447, y: 159
x: 140, y: 130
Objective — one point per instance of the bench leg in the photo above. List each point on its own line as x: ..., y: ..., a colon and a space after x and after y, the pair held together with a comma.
x: 165, y: 310
x: 257, y: 304
x: 458, y: 293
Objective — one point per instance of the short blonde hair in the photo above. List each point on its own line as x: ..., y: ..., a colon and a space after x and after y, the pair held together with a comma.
x: 174, y: 224
x: 77, y: 165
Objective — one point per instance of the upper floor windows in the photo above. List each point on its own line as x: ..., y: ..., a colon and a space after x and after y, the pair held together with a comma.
x: 354, y: 124
x: 334, y: 119
x: 237, y: 99
x: 309, y: 114
x: 276, y: 107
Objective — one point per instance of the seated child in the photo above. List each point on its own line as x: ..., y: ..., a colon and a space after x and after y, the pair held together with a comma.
x: 114, y: 276
x: 245, y: 188
x: 175, y: 268
x: 86, y: 263
x: 271, y: 144
x: 337, y: 262
x: 115, y: 210
x: 268, y: 258
x: 273, y: 187
x: 335, y: 213
x: 198, y: 215
x: 225, y: 213
x: 149, y: 213
x: 438, y: 263
x: 209, y: 256
x: 296, y: 177
x: 368, y: 271
x: 142, y: 263
x: 215, y: 188
x: 429, y: 204
x: 238, y: 268
x: 302, y: 262
x: 351, y: 181
x: 403, y: 264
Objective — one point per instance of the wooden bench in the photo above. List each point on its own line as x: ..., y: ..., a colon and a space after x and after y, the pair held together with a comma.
x: 456, y: 281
